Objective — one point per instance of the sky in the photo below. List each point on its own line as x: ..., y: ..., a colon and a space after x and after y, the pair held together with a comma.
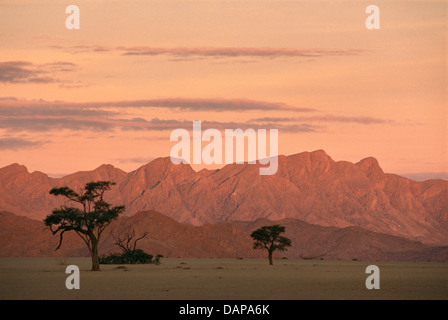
x: 113, y: 90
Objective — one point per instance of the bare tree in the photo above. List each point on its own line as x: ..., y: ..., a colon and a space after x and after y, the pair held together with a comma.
x: 124, y: 241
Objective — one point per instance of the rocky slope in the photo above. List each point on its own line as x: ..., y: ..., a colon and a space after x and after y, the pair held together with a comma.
x: 308, y: 186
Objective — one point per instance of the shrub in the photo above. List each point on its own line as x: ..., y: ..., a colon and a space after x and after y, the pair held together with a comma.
x: 136, y: 256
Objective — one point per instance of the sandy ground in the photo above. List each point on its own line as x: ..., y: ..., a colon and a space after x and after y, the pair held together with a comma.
x: 222, y: 279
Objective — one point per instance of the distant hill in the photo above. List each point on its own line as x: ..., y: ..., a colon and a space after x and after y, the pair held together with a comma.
x: 23, y: 237
x: 308, y: 186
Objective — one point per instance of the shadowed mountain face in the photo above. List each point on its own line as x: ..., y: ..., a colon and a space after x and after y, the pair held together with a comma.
x: 309, y: 186
x: 23, y: 237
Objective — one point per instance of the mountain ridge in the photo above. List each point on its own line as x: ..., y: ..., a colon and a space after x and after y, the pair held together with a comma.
x: 308, y: 186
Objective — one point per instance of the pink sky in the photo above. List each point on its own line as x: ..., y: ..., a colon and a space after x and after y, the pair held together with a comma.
x: 112, y: 91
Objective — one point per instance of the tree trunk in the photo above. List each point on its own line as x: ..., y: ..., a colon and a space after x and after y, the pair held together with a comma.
x: 270, y: 258
x: 94, y: 253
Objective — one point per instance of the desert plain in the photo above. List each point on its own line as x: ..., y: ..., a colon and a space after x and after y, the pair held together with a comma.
x: 222, y: 279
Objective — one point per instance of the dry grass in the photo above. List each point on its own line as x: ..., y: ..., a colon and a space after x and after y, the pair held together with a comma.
x: 222, y: 279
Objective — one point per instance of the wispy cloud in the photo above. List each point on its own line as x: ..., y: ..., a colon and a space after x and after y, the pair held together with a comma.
x: 185, y: 104
x: 422, y: 176
x: 327, y: 118
x: 42, y: 116
x: 138, y: 160
x: 28, y: 72
x: 195, y: 53
x: 37, y: 109
x: 18, y: 143
x: 282, y: 127
x: 46, y: 124
x: 234, y: 52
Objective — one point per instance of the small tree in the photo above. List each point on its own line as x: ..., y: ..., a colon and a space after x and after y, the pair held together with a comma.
x: 89, y: 221
x: 268, y: 237
x: 124, y: 241
x: 130, y: 253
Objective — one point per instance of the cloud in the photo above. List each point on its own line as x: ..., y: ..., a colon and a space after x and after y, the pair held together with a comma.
x: 139, y: 160
x: 18, y: 143
x: 296, y: 128
x: 171, y: 124
x: 28, y: 72
x: 327, y: 118
x: 73, y: 85
x: 235, y: 52
x: 40, y: 110
x: 76, y: 123
x: 423, y: 176
x: 21, y: 71
x: 41, y: 116
x: 195, y: 53
x: 211, y: 105
x: 183, y: 104
x: 82, y: 48
x: 43, y: 124
x: 348, y: 119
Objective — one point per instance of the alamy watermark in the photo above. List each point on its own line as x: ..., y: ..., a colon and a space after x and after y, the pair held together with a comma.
x: 72, y: 22
x: 372, y: 22
x: 72, y: 281
x: 212, y: 153
x: 373, y: 280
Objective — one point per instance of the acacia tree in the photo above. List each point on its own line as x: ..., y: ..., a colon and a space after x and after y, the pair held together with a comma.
x: 88, y: 220
x: 269, y: 238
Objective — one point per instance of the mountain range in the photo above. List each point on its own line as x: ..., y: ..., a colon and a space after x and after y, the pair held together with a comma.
x: 308, y: 186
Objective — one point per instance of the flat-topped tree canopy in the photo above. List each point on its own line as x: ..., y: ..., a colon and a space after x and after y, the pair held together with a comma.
x: 88, y: 221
